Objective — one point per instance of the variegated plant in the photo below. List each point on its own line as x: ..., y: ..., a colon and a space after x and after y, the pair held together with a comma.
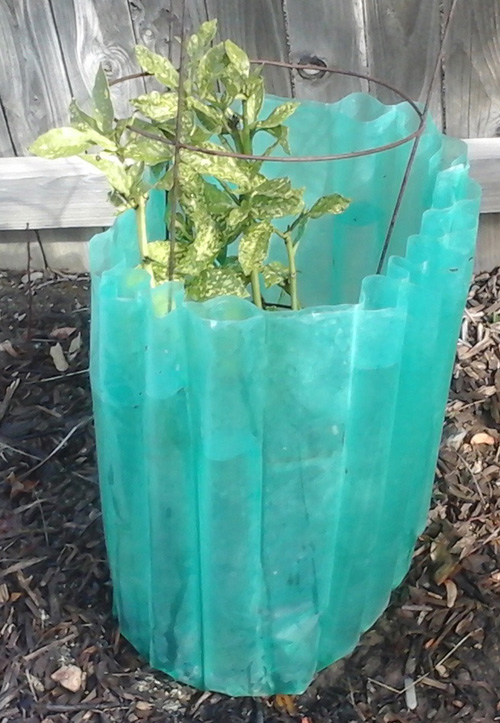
x: 220, y: 199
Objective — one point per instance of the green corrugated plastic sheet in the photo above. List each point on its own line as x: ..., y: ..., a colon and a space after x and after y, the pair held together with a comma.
x: 265, y: 475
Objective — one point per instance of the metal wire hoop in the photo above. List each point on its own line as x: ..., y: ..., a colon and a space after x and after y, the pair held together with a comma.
x: 413, y: 138
x: 417, y: 133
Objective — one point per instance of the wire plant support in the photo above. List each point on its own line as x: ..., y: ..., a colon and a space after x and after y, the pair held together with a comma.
x: 414, y: 137
x: 265, y: 476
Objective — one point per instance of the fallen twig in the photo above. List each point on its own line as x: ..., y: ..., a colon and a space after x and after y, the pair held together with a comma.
x: 56, y: 449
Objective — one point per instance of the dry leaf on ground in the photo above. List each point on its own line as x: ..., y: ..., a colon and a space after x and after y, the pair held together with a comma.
x: 62, y: 332
x: 57, y: 354
x: 75, y: 346
x: 7, y: 347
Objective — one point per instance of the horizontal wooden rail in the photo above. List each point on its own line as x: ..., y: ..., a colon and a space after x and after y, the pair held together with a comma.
x: 39, y: 194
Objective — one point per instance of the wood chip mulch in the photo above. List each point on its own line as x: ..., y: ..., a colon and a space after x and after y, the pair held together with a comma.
x: 434, y: 655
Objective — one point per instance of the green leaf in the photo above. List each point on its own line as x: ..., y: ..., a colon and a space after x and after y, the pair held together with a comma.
x: 103, y: 105
x: 335, y: 203
x: 61, y: 143
x: 166, y: 182
x: 160, y: 107
x: 282, y: 135
x: 208, y: 116
x: 200, y: 41
x: 218, y: 201
x: 274, y: 274
x: 237, y: 218
x: 210, y: 68
x: 299, y: 226
x: 149, y: 151
x: 276, y: 199
x: 224, y: 281
x: 79, y: 119
x: 276, y: 187
x: 207, y: 240
x: 222, y: 168
x: 159, y: 255
x: 279, y: 115
x: 254, y: 246
x: 157, y: 65
x: 234, y: 85
x: 116, y: 174
x: 238, y: 58
x: 254, y: 92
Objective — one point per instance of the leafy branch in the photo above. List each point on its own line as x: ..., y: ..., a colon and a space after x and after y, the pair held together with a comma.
x: 220, y: 199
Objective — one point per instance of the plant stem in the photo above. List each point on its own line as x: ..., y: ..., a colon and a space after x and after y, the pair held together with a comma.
x: 142, y: 233
x: 291, y: 250
x: 246, y: 136
x: 246, y: 142
x: 227, y: 189
x: 257, y: 296
x: 142, y: 227
x: 293, y: 272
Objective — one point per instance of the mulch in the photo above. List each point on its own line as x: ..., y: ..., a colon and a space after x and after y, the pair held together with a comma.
x: 433, y: 656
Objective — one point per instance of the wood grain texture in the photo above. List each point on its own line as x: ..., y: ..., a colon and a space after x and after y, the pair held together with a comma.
x: 158, y: 24
x: 472, y: 80
x: 334, y: 32
x: 33, y: 83
x: 40, y: 194
x: 6, y: 147
x: 91, y: 33
x: 259, y: 27
x: 488, y: 243
x: 403, y: 39
x: 484, y: 156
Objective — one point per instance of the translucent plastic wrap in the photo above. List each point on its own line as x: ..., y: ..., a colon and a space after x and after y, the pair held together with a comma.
x: 265, y: 475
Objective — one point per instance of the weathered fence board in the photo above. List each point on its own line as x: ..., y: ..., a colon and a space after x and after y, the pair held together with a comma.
x: 38, y: 193
x: 34, y: 87
x: 403, y: 40
x: 6, y: 148
x: 332, y: 31
x: 97, y: 33
x: 472, y: 98
x: 472, y: 77
x: 258, y: 26
x: 50, y: 49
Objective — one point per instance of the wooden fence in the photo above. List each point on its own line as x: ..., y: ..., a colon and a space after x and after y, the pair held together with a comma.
x: 50, y: 50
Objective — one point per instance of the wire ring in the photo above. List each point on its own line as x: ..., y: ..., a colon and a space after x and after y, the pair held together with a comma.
x: 298, y: 159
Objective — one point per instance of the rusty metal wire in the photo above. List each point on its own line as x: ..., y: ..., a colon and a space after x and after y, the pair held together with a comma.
x: 298, y: 159
x: 413, y: 154
x: 174, y: 193
x: 414, y: 137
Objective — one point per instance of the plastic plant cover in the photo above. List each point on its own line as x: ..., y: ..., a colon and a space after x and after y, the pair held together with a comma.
x: 265, y: 475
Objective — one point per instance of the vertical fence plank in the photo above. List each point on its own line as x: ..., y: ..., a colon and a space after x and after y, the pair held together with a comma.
x: 33, y: 83
x: 472, y: 95
x: 472, y: 80
x: 6, y: 148
x: 259, y: 27
x: 156, y: 22
x: 332, y: 31
x: 488, y: 246
x: 403, y: 39
x: 92, y: 32
x: 34, y: 86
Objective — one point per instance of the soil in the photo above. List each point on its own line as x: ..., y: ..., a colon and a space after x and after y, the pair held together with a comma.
x: 433, y: 656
